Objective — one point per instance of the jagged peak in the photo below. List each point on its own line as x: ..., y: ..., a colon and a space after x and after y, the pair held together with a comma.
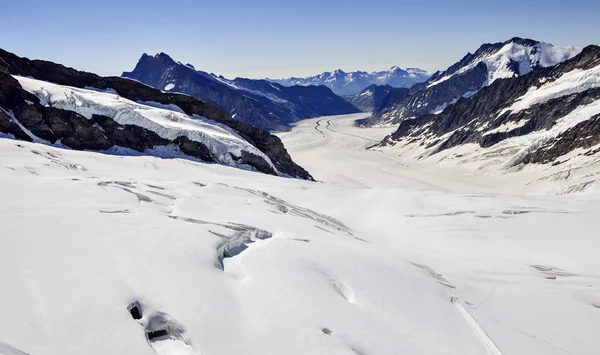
x: 162, y: 56
x: 523, y: 41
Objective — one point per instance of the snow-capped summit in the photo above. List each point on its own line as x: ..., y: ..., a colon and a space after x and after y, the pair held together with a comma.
x: 517, y: 56
x: 351, y: 83
x: 492, y: 61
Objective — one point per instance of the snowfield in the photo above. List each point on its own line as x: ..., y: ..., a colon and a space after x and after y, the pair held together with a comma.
x: 106, y: 254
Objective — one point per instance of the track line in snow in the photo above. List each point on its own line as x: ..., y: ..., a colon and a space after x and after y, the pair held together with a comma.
x: 485, y: 340
x: 6, y: 349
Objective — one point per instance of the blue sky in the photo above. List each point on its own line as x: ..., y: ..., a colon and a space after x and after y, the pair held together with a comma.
x: 283, y: 38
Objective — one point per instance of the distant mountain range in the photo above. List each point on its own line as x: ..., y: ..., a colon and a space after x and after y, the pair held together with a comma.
x: 549, y: 116
x: 260, y: 103
x: 515, y: 57
x: 352, y: 83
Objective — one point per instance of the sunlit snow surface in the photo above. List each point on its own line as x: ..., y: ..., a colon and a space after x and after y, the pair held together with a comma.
x: 378, y: 258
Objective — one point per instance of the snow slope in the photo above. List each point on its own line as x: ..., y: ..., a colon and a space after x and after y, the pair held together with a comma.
x: 214, y: 260
x: 572, y: 82
x: 168, y: 122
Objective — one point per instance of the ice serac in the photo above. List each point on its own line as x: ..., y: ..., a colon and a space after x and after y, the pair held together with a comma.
x: 549, y: 116
x: 352, y: 83
x: 46, y: 102
x: 257, y: 102
x: 515, y: 57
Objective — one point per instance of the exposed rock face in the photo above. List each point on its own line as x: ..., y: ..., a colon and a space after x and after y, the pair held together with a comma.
x: 77, y: 132
x: 557, y: 108
x: 257, y: 102
x: 515, y: 57
x: 352, y: 83
x: 21, y: 112
x: 584, y: 135
x: 370, y: 98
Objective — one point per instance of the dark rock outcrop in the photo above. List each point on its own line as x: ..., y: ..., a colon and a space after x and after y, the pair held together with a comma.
x: 257, y: 102
x: 584, y: 135
x: 99, y: 133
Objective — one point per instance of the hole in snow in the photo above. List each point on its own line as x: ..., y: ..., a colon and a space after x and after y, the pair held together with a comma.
x: 157, y: 334
x: 327, y: 331
x: 135, y: 310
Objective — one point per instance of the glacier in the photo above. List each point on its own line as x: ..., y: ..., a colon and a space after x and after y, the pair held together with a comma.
x: 110, y: 254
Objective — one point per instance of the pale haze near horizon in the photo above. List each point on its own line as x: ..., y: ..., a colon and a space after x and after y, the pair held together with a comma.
x: 274, y: 39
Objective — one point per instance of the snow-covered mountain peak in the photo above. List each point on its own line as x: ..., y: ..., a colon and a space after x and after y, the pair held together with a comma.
x: 490, y: 62
x: 517, y: 56
x: 549, y: 116
x: 350, y: 83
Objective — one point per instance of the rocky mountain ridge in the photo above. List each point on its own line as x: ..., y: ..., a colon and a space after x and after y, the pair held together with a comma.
x: 26, y: 116
x: 370, y: 98
x: 257, y: 102
x: 549, y: 116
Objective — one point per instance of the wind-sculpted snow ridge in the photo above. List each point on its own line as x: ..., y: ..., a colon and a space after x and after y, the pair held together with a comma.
x: 223, y: 142
x: 513, y: 58
x: 550, y: 116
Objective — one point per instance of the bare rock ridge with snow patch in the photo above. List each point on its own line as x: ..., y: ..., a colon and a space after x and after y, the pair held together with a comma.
x: 46, y: 102
x: 551, y: 115
x: 515, y: 57
x: 371, y: 97
x: 260, y: 103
